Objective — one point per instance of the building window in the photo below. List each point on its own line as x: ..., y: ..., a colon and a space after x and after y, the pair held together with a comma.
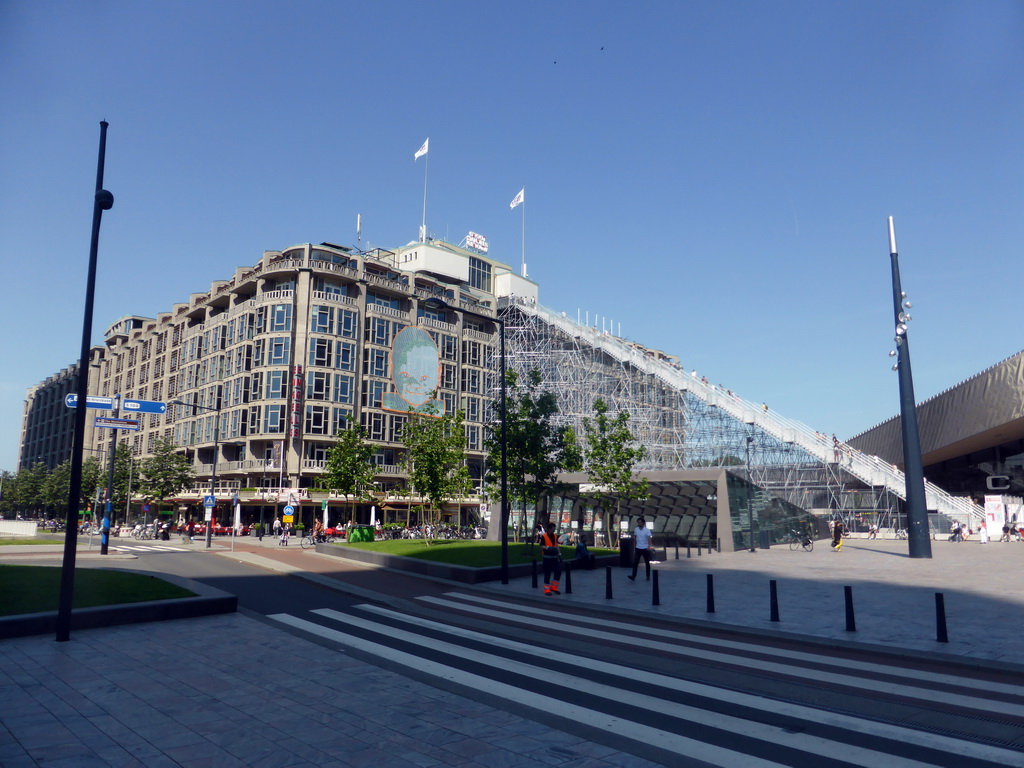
x: 479, y: 274
x: 320, y: 352
x: 273, y: 418
x: 277, y: 385
x: 382, y: 300
x: 280, y: 318
x: 373, y: 393
x: 347, y: 323
x: 321, y: 319
x: 375, y: 362
x: 343, y: 389
x: 317, y: 385
x: 317, y: 419
x: 279, y: 349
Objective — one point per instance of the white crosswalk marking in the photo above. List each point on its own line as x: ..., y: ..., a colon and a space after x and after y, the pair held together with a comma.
x: 651, y: 699
x: 719, y: 756
x: 562, y: 622
x: 150, y: 548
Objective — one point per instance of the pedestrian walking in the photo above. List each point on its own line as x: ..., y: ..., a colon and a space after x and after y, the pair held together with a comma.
x: 983, y: 533
x: 277, y: 528
x: 837, y: 536
x: 286, y: 530
x: 642, y: 536
x: 551, y: 559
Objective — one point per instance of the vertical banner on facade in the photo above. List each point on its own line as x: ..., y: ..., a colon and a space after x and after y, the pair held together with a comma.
x: 296, y: 406
x: 276, y: 461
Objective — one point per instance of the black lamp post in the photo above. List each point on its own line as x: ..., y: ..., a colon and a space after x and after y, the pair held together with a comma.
x: 216, y: 451
x: 918, y: 540
x: 102, y: 201
x: 435, y: 303
x: 750, y: 496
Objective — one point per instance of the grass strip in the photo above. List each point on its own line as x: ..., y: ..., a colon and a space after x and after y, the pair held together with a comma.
x: 36, y: 588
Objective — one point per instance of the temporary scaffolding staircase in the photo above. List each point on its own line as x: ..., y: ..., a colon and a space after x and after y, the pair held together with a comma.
x: 870, y: 470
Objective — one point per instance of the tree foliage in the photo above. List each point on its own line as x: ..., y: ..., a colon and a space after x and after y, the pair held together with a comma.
x: 436, y: 453
x: 164, y: 473
x: 610, y: 456
x: 349, y: 469
x: 536, y: 449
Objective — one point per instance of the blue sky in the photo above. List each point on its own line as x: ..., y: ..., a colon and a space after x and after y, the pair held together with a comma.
x: 713, y: 176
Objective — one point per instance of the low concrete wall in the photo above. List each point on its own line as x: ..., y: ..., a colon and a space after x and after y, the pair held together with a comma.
x: 18, y: 528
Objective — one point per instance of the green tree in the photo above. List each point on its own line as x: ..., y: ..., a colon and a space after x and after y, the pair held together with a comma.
x: 349, y: 469
x: 436, y: 459
x: 6, y: 490
x: 536, y: 449
x: 27, y: 493
x: 56, y: 488
x: 164, y: 473
x: 610, y: 456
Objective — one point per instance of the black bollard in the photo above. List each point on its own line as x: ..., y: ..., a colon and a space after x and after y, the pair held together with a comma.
x: 774, y: 600
x: 851, y: 624
x: 568, y: 578
x: 940, y: 618
x: 677, y: 551
x: 533, y: 563
x: 655, y: 594
x: 687, y: 549
x: 711, y: 593
x: 607, y: 582
x: 698, y: 549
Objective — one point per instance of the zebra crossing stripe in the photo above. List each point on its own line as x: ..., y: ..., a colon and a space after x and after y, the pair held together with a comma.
x: 851, y: 753
x: 725, y: 758
x: 835, y: 676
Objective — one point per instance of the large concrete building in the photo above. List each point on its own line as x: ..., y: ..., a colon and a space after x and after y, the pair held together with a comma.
x: 261, y: 370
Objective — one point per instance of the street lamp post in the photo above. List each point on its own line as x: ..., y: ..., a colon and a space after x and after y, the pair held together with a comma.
x: 216, y: 450
x: 918, y: 540
x: 750, y: 496
x: 436, y: 303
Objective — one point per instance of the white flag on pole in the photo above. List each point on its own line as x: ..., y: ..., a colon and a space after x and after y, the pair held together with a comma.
x: 421, y: 151
x: 518, y: 198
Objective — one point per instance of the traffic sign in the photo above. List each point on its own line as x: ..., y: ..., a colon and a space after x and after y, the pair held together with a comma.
x: 105, y: 422
x: 289, y: 510
x: 103, y: 403
x: 209, y: 501
x: 144, y: 406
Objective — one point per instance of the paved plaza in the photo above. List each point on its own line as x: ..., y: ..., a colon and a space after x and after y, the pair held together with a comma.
x: 230, y: 690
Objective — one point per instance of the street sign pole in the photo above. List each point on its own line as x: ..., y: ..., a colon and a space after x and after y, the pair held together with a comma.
x: 109, y: 507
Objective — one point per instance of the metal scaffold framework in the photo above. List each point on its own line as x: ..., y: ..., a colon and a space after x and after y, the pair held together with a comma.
x: 685, y: 422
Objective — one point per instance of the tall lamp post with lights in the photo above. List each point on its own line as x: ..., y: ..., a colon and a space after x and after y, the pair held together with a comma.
x: 918, y: 541
x: 216, y: 451
x: 750, y: 496
x: 435, y: 303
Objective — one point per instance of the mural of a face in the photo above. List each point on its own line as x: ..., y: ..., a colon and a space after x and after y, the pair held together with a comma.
x: 415, y: 367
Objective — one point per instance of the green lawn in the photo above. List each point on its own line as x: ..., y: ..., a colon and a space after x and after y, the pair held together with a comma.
x: 472, y: 553
x: 36, y: 588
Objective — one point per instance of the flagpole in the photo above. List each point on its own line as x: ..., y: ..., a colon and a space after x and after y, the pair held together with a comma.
x: 423, y: 224
x: 524, y: 231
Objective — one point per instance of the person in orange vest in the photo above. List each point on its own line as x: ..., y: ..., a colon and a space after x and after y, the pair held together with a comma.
x: 552, y: 559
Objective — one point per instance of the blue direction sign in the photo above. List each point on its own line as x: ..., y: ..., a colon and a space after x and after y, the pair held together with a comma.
x: 103, y: 403
x: 143, y: 406
x: 289, y: 510
x: 105, y: 422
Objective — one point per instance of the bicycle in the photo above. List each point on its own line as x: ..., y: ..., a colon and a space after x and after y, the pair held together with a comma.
x: 901, y: 533
x: 798, y: 540
x: 311, y: 540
